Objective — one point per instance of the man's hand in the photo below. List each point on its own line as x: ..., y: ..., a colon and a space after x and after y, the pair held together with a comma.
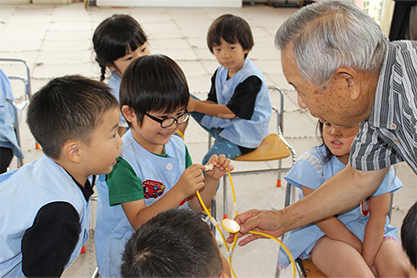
x: 265, y: 221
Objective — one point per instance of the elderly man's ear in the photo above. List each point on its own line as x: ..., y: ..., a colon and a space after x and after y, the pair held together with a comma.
x: 352, y: 80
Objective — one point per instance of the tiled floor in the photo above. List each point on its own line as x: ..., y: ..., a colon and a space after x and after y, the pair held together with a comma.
x: 56, y: 40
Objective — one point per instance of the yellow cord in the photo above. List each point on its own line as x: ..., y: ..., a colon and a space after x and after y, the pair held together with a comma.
x: 280, y: 243
x: 233, y: 191
x: 211, y: 218
x: 235, y: 237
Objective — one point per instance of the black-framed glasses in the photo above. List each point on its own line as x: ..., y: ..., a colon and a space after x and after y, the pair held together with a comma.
x: 169, y: 121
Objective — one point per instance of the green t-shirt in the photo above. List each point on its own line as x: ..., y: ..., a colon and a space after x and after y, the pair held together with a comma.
x: 125, y: 186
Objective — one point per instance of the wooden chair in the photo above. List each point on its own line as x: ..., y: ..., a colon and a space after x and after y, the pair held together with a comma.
x: 308, y: 269
x: 273, y: 147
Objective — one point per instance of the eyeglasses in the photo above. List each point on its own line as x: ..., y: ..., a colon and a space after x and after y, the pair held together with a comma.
x: 169, y: 121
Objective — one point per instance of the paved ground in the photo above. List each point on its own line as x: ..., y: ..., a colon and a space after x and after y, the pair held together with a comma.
x: 56, y: 40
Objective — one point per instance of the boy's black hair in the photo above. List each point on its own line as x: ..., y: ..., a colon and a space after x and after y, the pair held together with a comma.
x: 409, y: 235
x: 232, y: 29
x: 68, y: 108
x: 175, y: 243
x: 113, y: 38
x: 154, y: 83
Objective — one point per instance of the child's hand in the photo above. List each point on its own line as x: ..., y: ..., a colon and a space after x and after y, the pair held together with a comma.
x: 191, y: 180
x: 227, y: 116
x: 192, y: 103
x: 220, y: 164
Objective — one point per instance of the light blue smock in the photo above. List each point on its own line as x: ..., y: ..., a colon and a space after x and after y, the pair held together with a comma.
x: 114, y: 84
x: 309, y: 171
x: 23, y: 192
x: 7, y: 134
x: 112, y: 226
x: 245, y: 133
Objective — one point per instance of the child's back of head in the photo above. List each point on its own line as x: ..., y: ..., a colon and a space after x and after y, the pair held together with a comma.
x: 175, y: 243
x: 67, y: 108
x: 154, y: 83
x: 232, y: 29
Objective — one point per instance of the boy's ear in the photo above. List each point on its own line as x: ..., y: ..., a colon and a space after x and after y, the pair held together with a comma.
x: 129, y: 113
x: 72, y: 151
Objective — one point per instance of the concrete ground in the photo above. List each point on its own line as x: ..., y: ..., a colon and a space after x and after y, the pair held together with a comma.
x: 56, y: 40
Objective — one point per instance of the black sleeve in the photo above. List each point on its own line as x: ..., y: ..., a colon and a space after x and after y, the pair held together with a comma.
x: 212, y: 94
x: 242, y: 103
x: 47, y: 245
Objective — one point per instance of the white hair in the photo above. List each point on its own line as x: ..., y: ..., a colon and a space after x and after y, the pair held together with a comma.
x: 331, y: 34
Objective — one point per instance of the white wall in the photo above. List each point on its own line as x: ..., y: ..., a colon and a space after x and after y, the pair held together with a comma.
x: 172, y: 3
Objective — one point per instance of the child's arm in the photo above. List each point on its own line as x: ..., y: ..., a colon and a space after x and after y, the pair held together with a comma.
x: 335, y: 229
x: 375, y: 228
x: 211, y: 180
x: 190, y: 181
x: 210, y: 108
x: 48, y: 244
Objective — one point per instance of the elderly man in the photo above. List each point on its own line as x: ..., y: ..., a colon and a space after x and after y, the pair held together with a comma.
x: 346, y: 72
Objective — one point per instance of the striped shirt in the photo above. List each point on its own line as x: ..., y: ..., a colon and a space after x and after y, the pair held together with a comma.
x: 389, y: 136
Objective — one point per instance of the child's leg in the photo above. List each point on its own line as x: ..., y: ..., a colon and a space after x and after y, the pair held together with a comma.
x: 391, y: 261
x: 222, y: 146
x: 338, y: 259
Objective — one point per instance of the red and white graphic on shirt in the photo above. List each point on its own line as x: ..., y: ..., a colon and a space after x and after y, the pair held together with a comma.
x: 152, y: 189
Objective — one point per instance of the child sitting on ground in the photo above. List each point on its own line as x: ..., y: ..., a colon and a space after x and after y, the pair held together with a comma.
x: 118, y: 40
x: 45, y: 205
x: 409, y: 237
x: 155, y: 171
x: 238, y: 108
x: 353, y: 243
x: 174, y: 243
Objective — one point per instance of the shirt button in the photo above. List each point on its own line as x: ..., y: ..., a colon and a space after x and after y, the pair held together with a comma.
x: 396, y: 141
x: 169, y: 166
x: 393, y: 126
x: 225, y: 86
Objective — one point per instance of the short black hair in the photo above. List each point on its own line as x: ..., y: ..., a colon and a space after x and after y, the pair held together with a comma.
x: 409, y: 235
x: 232, y: 29
x: 69, y: 107
x: 113, y: 37
x: 175, y: 243
x: 154, y: 83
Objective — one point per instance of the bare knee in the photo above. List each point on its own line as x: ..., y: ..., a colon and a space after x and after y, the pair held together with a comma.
x: 338, y: 259
x: 391, y: 260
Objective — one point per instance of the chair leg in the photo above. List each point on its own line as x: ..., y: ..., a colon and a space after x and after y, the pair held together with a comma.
x: 213, y: 214
x: 279, y: 173
x: 95, y: 274
x: 225, y: 213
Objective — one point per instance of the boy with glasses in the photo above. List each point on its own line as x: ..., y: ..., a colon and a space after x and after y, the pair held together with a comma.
x: 155, y: 172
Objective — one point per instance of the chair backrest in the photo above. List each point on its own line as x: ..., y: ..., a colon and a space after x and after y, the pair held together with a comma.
x: 26, y: 80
